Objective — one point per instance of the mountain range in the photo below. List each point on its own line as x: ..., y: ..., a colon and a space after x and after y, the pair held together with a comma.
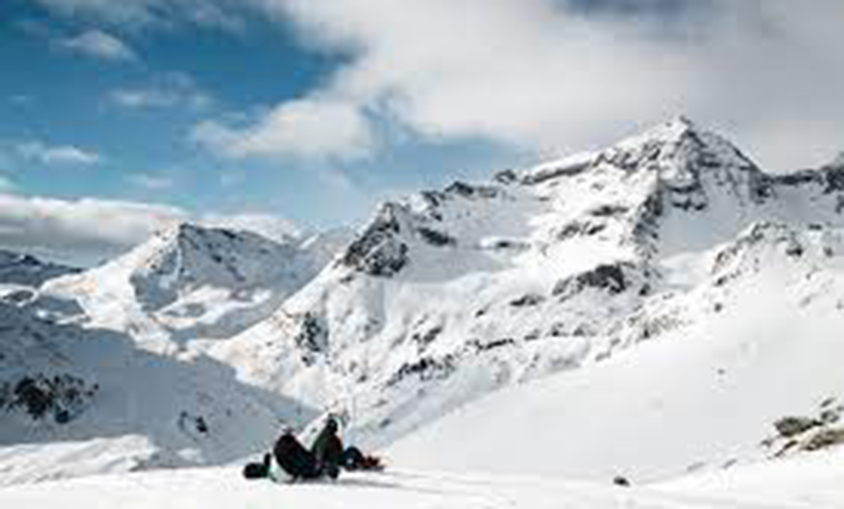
x: 652, y: 309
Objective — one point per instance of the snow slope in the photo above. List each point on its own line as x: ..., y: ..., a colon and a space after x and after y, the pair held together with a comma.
x: 810, y: 484
x: 450, y: 295
x: 190, y: 282
x: 97, y: 373
x: 27, y: 270
x: 78, y: 400
x: 757, y: 342
x: 646, y: 310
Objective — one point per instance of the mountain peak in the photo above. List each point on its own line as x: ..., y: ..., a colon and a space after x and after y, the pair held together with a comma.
x: 673, y: 130
x: 25, y: 269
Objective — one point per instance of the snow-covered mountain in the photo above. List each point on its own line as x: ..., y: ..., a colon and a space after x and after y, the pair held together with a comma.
x: 190, y: 282
x: 99, y: 366
x: 25, y: 270
x: 449, y: 295
x: 77, y: 399
x: 577, y: 307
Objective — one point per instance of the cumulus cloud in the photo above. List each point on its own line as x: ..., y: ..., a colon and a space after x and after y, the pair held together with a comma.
x: 164, y: 90
x: 159, y: 97
x: 542, y: 75
x: 270, y: 226
x: 558, y: 75
x: 142, y: 98
x: 134, y: 14
x: 98, y: 44
x: 87, y: 231
x: 150, y: 181
x: 81, y: 231
x: 43, y: 153
x: 315, y: 127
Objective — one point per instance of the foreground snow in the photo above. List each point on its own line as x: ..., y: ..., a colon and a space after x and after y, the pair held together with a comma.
x: 811, y: 483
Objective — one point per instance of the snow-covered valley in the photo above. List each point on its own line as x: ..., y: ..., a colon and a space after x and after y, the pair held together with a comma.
x: 653, y: 311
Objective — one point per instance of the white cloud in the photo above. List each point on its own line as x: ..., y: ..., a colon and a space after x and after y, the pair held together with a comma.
x: 168, y: 94
x: 270, y: 226
x: 135, y: 14
x: 40, y: 152
x: 22, y: 100
x: 538, y: 74
x: 315, y: 127
x: 99, y: 44
x: 150, y: 181
x: 83, y: 230
x: 546, y: 75
x: 89, y: 230
x: 6, y: 184
x: 142, y: 98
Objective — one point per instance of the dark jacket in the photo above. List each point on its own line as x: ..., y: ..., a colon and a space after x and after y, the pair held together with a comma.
x: 327, y: 450
x: 294, y: 459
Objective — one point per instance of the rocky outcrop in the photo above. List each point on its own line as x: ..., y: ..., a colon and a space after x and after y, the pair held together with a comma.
x: 379, y: 251
x: 60, y: 398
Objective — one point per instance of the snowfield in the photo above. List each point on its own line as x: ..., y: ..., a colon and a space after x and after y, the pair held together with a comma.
x: 728, y: 364
x: 806, y: 484
x: 662, y: 310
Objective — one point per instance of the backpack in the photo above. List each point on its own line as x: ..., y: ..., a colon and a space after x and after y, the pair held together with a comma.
x: 258, y: 470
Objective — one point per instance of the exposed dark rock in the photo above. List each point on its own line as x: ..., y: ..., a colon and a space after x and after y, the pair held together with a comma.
x: 824, y: 438
x: 609, y: 211
x: 830, y: 416
x: 530, y: 299
x: 425, y: 338
x: 834, y: 178
x: 312, y: 336
x: 557, y: 330
x: 506, y: 177
x: 27, y: 270
x: 471, y: 191
x: 792, y: 426
x: 427, y: 368
x: 435, y: 237
x: 794, y: 249
x: 798, y: 178
x: 607, y: 277
x: 62, y: 397
x: 490, y: 345
x: 621, y: 481
x: 576, y: 228
x: 378, y: 251
x: 432, y: 198
x: 191, y: 423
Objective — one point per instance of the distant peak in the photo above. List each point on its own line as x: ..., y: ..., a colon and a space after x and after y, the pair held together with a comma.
x: 682, y: 121
x: 671, y: 131
x: 184, y: 229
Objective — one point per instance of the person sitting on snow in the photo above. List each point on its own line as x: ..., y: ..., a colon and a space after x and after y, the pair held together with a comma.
x: 293, y: 458
x: 324, y: 459
x: 327, y: 449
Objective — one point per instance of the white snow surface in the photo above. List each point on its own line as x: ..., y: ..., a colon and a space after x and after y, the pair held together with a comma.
x: 116, y: 353
x: 450, y: 295
x: 648, y: 310
x: 782, y: 485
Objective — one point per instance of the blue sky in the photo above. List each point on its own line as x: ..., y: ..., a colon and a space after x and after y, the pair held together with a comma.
x: 156, y: 110
x: 58, y: 96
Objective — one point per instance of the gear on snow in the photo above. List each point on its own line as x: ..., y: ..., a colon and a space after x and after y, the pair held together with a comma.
x: 325, y: 458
